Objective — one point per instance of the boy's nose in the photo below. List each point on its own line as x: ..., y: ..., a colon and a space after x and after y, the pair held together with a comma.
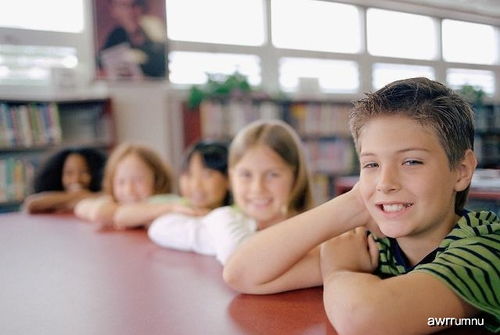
x: 388, y: 180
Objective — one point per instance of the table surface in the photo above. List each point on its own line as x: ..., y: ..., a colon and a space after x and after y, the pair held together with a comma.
x: 60, y: 275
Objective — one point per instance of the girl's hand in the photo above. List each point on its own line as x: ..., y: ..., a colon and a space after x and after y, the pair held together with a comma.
x: 75, y: 187
x: 353, y: 251
x: 191, y: 211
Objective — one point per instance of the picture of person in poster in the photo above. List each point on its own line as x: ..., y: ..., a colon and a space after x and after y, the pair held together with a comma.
x: 134, y: 45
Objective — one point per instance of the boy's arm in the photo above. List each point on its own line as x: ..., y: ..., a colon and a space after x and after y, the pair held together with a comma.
x: 53, y: 201
x: 282, y: 257
x: 358, y: 302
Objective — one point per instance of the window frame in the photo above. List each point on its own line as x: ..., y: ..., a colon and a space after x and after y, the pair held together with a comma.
x: 270, y: 55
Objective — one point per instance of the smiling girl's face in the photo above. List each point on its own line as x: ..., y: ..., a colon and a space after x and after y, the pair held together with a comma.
x: 261, y: 182
x: 133, y: 180
x: 202, y: 186
x: 76, y: 173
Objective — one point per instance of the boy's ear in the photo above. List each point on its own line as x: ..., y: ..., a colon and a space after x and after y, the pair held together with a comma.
x: 465, y: 170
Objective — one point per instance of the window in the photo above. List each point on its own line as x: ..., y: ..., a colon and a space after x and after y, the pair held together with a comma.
x: 32, y: 65
x: 333, y: 76
x: 478, y: 78
x: 397, y: 34
x: 51, y: 15
x: 192, y: 67
x: 239, y: 22
x: 315, y: 25
x: 384, y: 73
x: 467, y: 42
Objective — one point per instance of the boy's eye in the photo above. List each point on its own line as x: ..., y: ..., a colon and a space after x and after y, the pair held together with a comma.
x: 369, y: 165
x: 412, y: 162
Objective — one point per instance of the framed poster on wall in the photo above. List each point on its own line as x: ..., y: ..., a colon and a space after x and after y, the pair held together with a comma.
x: 130, y: 39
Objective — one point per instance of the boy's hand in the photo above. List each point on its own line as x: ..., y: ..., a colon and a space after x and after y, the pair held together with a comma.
x: 353, y: 251
x: 366, y: 219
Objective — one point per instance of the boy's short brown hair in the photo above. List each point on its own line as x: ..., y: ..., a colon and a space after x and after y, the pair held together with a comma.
x: 430, y: 103
x: 161, y: 171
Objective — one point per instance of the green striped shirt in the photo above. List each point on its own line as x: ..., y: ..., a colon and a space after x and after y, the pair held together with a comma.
x: 467, y: 261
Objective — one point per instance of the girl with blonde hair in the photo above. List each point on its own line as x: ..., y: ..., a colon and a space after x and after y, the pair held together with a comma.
x: 269, y: 183
x: 137, y: 183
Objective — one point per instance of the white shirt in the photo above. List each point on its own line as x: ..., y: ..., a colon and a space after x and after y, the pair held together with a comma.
x: 217, y: 233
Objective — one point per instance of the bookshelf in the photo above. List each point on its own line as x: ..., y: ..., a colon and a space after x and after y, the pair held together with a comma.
x: 322, y: 126
x: 487, y: 140
x: 30, y: 129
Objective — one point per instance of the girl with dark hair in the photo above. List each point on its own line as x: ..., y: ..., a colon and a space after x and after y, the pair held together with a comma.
x: 65, y: 178
x: 204, y: 182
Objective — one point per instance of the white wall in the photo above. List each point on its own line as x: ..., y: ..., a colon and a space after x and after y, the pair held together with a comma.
x: 144, y: 113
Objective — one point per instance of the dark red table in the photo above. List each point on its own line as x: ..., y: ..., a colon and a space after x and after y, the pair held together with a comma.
x: 60, y: 275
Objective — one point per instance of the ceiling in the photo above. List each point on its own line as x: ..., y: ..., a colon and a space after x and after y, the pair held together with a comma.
x: 489, y: 8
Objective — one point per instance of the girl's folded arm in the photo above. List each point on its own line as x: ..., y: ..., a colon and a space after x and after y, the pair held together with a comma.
x: 139, y: 214
x: 53, y: 200
x: 100, y: 210
x: 143, y: 213
x: 181, y: 232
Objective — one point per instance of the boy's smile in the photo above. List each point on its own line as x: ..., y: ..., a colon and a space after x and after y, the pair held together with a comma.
x: 406, y: 181
x: 394, y: 208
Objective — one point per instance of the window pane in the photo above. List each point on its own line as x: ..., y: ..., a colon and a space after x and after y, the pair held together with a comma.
x: 51, y: 15
x: 32, y: 65
x: 467, y: 42
x: 192, y: 67
x: 315, y: 25
x: 478, y: 78
x: 333, y: 76
x: 384, y: 73
x: 239, y: 22
x: 396, y: 34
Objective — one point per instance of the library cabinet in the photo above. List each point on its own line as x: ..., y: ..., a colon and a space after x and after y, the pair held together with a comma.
x: 487, y: 140
x: 30, y: 130
x: 322, y: 126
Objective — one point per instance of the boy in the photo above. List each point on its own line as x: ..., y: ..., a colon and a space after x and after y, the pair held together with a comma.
x: 414, y: 138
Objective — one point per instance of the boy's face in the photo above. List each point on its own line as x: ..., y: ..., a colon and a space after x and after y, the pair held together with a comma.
x: 405, y: 180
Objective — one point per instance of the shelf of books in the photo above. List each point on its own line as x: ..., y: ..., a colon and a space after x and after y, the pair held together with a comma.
x: 30, y: 130
x: 487, y: 141
x: 322, y: 126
